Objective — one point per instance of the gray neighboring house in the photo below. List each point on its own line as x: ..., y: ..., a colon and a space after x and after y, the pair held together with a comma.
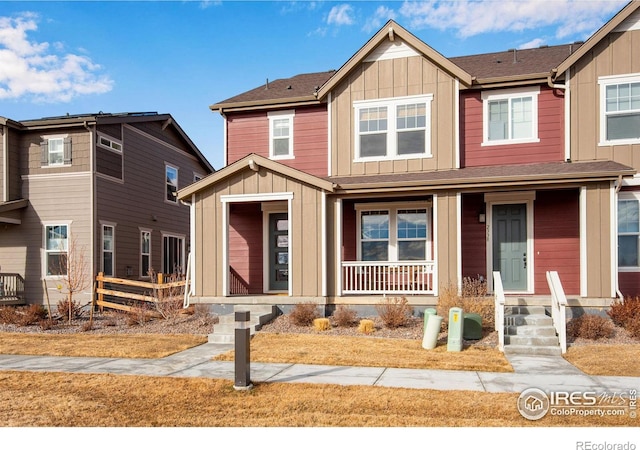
x: 107, y: 182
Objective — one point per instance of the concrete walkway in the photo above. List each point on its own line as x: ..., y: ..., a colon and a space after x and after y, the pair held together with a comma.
x: 549, y: 373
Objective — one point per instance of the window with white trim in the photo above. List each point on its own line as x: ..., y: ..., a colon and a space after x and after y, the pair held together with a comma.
x: 56, y: 245
x: 510, y: 116
x: 171, y: 192
x: 110, y: 143
x: 108, y: 246
x: 396, y: 128
x: 628, y: 231
x: 55, y: 151
x: 393, y: 233
x: 281, y: 134
x: 619, y: 109
x: 145, y: 253
x: 173, y: 254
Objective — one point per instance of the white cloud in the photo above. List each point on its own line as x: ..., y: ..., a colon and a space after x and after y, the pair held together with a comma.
x: 381, y: 15
x: 473, y: 17
x: 41, y: 71
x: 340, y: 15
x: 535, y: 43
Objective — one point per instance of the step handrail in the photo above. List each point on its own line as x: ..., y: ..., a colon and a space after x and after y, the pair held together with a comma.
x: 558, y: 308
x: 498, y: 292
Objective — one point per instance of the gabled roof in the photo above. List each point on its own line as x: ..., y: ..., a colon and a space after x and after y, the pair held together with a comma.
x: 108, y: 118
x: 390, y: 31
x: 299, y: 89
x: 253, y: 162
x: 598, y: 36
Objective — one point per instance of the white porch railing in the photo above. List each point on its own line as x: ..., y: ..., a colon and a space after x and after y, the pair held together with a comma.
x: 374, y: 277
x: 558, y: 308
x: 499, y: 308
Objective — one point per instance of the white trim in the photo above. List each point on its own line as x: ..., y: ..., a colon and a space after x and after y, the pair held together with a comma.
x: 323, y: 243
x: 167, y: 166
x: 567, y: 115
x: 635, y: 181
x: 456, y: 122
x: 110, y: 178
x: 339, y: 232
x: 459, y: 239
x: 192, y: 243
x: 225, y: 249
x: 290, y: 116
x: 509, y: 94
x: 140, y: 231
x: 583, y: 241
x: 266, y: 262
x: 631, y: 23
x: 111, y: 225
x: 267, y: 197
x: 53, y: 223
x: 112, y: 141
x: 183, y: 238
x: 613, y: 238
x: 526, y: 199
x: 56, y: 175
x: 436, y: 273
x: 603, y: 82
x: 54, y: 137
x: 329, y: 135
x: 290, y: 230
x: 224, y: 139
x: 391, y: 50
x: 391, y: 133
x: 5, y: 163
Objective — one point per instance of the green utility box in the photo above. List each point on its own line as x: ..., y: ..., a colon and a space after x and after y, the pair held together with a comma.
x: 427, y: 313
x: 456, y: 326
x: 472, y: 326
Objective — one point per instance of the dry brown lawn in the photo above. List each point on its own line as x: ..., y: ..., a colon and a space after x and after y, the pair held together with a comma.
x: 30, y: 399
x: 614, y: 360
x: 369, y: 352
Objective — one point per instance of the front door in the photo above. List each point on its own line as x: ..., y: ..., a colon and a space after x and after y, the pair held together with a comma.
x: 278, y: 252
x: 509, y: 224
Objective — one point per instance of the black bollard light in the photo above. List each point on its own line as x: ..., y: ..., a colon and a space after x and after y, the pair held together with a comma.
x: 242, y: 351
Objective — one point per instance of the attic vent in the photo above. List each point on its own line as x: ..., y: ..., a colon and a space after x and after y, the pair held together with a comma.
x: 289, y: 87
x: 544, y: 46
x: 266, y: 86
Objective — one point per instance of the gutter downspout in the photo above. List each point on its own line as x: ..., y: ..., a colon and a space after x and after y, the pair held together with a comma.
x: 224, y: 139
x: 92, y: 194
x: 618, y: 186
x: 567, y: 109
x: 5, y: 163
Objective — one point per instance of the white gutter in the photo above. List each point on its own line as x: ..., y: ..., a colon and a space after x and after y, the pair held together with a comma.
x: 456, y: 121
x: 329, y: 136
x: 323, y: 238
x: 583, y: 241
x: 224, y: 139
x: 5, y: 163
x: 192, y: 238
x: 567, y: 111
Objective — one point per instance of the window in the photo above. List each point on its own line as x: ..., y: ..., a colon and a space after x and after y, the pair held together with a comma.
x: 56, y: 248
x: 145, y: 253
x: 55, y: 151
x: 173, y: 254
x: 108, y: 241
x: 281, y: 134
x: 172, y: 184
x: 110, y: 143
x: 393, y: 234
x: 510, y: 116
x: 393, y: 128
x: 628, y: 232
x: 620, y: 109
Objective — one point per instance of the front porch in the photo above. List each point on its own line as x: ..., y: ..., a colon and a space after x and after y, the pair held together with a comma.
x: 11, y: 289
x: 387, y: 278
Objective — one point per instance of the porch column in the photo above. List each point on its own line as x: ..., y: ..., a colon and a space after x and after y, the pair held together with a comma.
x: 225, y: 248
x: 338, y: 227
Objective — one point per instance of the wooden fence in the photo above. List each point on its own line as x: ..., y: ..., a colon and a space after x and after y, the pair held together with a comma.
x: 127, y: 295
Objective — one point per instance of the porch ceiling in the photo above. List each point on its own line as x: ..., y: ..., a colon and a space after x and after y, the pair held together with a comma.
x: 10, y: 210
x: 490, y: 176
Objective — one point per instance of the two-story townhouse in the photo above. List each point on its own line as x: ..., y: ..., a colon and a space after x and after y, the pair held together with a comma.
x: 102, y: 185
x: 425, y: 170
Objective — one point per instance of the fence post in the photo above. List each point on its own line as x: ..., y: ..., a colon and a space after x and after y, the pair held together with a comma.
x: 100, y: 290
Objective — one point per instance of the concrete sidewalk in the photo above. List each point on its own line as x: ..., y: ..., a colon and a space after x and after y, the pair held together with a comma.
x: 549, y: 373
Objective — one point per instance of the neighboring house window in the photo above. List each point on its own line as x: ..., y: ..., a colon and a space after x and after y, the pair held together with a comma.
x: 393, y: 128
x: 281, y: 134
x: 171, y: 175
x: 108, y: 246
x: 145, y: 253
x: 393, y: 234
x: 109, y: 143
x: 173, y: 254
x: 510, y: 116
x: 55, y: 151
x: 620, y: 109
x: 56, y: 239
x: 628, y: 231
x: 197, y: 177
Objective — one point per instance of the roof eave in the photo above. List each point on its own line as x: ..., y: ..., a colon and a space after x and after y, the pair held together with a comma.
x: 264, y: 104
x: 512, y: 80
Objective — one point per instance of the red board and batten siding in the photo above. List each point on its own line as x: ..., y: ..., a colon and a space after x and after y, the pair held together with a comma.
x: 249, y: 133
x: 557, y: 239
x: 245, y: 244
x: 550, y: 131
x: 474, y: 237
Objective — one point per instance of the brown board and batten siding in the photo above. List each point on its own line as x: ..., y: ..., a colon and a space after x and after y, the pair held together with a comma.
x: 599, y: 212
x: 550, y: 132
x: 305, y: 228
x: 413, y: 75
x: 616, y: 54
x: 249, y: 133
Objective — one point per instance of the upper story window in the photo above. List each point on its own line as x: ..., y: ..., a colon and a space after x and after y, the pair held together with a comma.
x: 510, y: 116
x: 171, y: 191
x: 393, y: 128
x: 628, y: 232
x: 110, y: 143
x: 281, y: 134
x: 55, y: 151
x: 620, y: 109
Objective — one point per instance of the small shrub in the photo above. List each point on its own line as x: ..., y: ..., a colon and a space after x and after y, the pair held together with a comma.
x: 8, y: 315
x: 321, y: 324
x: 472, y: 299
x: 633, y: 327
x: 366, y: 326
x: 69, y: 309
x: 394, y: 311
x: 31, y: 315
x: 138, y: 315
x: 203, y: 315
x: 345, y: 317
x: 169, y: 301
x: 303, y: 314
x: 590, y: 326
x: 87, y: 326
x: 623, y: 312
x: 46, y: 324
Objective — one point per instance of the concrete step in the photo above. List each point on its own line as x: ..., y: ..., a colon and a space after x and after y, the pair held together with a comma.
x: 542, y: 341
x: 525, y: 310
x: 529, y: 330
x: 553, y: 350
x: 528, y: 319
x: 224, y: 330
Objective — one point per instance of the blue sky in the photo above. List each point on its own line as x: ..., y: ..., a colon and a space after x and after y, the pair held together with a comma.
x: 179, y: 57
